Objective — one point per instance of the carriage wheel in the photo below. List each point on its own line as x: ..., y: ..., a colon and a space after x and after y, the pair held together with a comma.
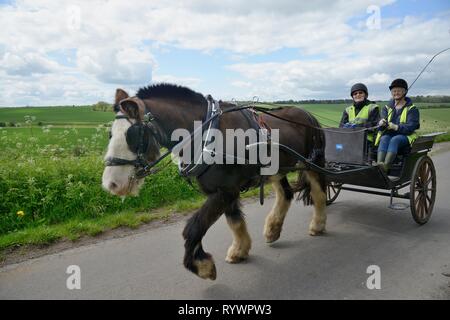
x: 423, y: 190
x: 333, y: 189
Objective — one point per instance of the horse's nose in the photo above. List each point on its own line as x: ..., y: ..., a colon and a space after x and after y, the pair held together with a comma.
x: 113, y: 186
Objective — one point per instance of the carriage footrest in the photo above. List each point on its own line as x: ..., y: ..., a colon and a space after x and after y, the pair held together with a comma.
x: 398, y: 206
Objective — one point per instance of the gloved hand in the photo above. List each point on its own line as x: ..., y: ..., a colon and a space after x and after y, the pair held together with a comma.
x: 392, y: 126
x: 382, y: 123
x: 349, y: 125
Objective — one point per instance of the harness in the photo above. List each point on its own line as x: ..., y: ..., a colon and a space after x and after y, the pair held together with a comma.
x: 139, y: 133
x: 198, y: 167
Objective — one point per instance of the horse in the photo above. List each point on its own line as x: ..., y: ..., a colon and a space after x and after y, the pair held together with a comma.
x: 172, y: 107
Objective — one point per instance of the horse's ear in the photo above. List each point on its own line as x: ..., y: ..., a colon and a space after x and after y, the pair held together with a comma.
x: 133, y: 108
x: 130, y: 108
x: 120, y: 95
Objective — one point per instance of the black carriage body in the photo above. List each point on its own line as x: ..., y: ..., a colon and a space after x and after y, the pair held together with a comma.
x: 348, y: 160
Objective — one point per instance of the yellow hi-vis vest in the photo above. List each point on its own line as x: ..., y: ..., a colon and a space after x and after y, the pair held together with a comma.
x: 362, y: 116
x: 403, y: 117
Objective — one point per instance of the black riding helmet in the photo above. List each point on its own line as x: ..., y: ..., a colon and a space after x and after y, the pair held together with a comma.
x: 357, y: 87
x: 399, y: 83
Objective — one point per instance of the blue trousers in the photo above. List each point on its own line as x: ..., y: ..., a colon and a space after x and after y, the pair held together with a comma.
x: 392, y: 143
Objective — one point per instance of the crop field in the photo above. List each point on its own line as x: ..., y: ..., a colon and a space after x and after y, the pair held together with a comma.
x: 59, y: 116
x: 52, y: 162
x: 434, y: 116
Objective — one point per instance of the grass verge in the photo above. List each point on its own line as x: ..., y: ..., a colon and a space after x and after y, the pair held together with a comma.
x: 75, y: 229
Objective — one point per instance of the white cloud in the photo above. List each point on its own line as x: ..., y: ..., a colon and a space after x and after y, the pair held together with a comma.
x: 26, y: 64
x: 190, y: 82
x: 374, y: 57
x: 113, y: 42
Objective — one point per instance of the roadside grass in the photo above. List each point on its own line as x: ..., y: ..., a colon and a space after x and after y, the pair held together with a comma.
x: 442, y: 138
x: 76, y: 228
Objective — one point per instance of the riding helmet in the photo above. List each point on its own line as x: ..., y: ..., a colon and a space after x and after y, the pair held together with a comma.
x: 357, y: 87
x: 399, y: 83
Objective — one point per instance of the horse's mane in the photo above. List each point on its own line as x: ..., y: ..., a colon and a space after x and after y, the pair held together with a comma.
x: 172, y: 91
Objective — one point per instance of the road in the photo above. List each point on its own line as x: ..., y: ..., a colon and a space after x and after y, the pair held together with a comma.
x: 414, y: 261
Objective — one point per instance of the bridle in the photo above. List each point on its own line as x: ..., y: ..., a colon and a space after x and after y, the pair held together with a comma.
x: 144, y: 131
x: 149, y: 126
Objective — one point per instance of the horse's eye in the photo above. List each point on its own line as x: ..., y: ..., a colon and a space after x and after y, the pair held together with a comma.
x: 110, y: 135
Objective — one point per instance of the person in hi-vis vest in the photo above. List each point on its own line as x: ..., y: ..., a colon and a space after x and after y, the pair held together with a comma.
x: 362, y: 113
x: 399, y: 121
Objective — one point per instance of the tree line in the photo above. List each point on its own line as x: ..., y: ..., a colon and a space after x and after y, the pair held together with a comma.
x: 426, y: 99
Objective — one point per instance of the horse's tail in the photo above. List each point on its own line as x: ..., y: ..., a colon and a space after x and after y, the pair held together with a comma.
x: 316, y: 154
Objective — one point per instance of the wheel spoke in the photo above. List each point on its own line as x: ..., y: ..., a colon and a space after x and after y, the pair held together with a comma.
x: 429, y: 171
x: 425, y: 205
x: 429, y: 199
x: 423, y: 173
x: 416, y: 201
x: 332, y: 187
x: 422, y: 207
x: 418, y: 204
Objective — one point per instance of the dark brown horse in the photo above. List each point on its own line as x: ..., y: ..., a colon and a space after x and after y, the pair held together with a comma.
x: 174, y: 107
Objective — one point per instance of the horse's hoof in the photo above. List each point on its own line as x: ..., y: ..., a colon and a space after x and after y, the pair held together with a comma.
x: 235, y: 259
x: 316, y: 233
x: 316, y: 229
x: 234, y: 256
x: 272, y: 234
x: 206, y: 269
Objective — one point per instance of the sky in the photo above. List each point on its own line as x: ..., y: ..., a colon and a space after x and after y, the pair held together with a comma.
x: 79, y: 52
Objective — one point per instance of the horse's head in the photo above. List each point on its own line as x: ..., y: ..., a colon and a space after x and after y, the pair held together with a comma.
x: 131, y: 144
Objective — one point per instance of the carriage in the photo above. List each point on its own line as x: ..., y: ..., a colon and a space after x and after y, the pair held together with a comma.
x: 349, y: 166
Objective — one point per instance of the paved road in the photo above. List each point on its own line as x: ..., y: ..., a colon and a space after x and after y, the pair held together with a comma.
x: 413, y: 260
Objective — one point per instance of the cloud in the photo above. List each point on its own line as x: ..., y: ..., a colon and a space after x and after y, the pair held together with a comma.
x: 374, y: 57
x: 113, y: 43
x: 188, y: 82
x: 26, y: 64
x: 110, y: 65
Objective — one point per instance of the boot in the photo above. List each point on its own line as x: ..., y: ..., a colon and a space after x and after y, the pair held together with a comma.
x: 390, y: 156
x: 380, y: 157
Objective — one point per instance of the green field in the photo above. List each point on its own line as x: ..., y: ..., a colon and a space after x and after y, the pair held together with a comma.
x: 57, y: 115
x: 435, y: 117
x: 52, y: 172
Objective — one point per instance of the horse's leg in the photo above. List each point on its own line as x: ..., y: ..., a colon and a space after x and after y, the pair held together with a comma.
x: 242, y: 242
x: 195, y: 258
x: 275, y: 219
x: 318, y: 195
